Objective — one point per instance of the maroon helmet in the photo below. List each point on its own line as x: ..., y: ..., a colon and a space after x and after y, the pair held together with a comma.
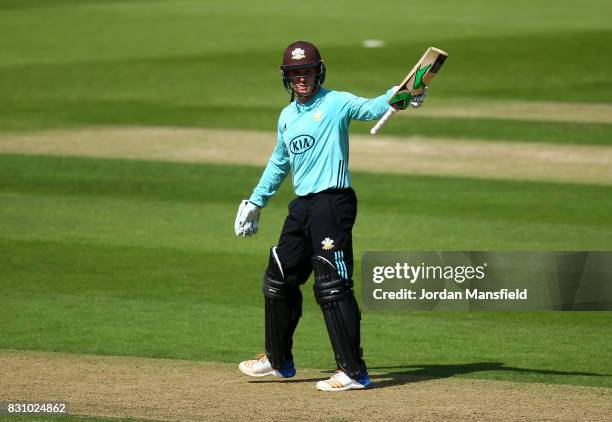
x: 302, y: 55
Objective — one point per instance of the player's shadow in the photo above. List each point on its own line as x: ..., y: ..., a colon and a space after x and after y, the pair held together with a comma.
x: 387, y: 376
x: 405, y: 374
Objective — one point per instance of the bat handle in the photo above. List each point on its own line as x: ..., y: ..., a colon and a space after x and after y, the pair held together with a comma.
x: 382, y: 120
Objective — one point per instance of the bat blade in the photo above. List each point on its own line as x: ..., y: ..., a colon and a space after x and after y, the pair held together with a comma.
x: 419, y: 77
x: 415, y: 82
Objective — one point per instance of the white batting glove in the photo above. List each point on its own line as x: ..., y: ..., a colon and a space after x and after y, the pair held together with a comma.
x: 247, y: 219
x: 417, y: 100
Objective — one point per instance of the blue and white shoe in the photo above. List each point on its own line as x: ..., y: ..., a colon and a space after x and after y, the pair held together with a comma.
x: 261, y: 367
x: 342, y: 382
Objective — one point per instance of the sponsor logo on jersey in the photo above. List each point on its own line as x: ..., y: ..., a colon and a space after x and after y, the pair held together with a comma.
x: 317, y: 116
x: 301, y: 143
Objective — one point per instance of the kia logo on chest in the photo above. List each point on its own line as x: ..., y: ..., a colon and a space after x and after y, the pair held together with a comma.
x: 300, y: 144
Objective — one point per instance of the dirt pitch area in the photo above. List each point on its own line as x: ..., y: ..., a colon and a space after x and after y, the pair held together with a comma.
x: 519, y: 110
x: 176, y: 390
x: 423, y: 156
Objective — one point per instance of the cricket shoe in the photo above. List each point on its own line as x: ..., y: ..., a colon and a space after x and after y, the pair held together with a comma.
x: 261, y: 367
x: 342, y: 382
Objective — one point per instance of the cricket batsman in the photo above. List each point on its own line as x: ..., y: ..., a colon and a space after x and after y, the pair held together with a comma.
x: 313, y: 145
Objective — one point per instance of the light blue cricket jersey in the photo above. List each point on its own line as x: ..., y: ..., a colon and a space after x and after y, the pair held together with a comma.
x: 313, y: 143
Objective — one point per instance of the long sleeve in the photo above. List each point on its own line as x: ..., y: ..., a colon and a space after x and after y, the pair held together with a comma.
x: 368, y: 108
x: 277, y: 169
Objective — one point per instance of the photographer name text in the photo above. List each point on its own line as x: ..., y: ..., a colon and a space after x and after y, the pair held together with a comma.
x: 468, y: 294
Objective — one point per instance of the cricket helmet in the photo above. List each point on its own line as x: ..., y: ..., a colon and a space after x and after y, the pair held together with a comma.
x: 302, y: 55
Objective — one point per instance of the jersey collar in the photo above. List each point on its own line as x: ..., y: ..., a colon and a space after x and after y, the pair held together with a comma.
x: 314, y: 101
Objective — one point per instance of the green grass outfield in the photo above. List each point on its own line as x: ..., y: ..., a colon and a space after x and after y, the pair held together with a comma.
x: 139, y: 258
x: 215, y: 64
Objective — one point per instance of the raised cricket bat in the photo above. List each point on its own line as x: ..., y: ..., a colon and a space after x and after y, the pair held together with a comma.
x: 414, y: 83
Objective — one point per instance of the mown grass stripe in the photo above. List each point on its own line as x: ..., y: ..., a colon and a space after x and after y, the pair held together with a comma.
x: 51, y: 114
